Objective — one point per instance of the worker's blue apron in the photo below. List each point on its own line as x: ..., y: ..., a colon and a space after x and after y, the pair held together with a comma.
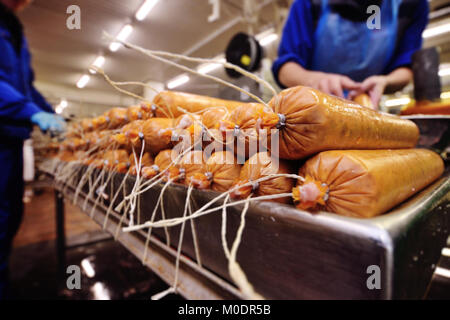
x: 351, y: 48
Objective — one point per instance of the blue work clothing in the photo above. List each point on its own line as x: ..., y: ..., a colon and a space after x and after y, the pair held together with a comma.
x: 11, y: 205
x: 366, y: 52
x: 333, y: 44
x: 48, y: 121
x: 19, y: 101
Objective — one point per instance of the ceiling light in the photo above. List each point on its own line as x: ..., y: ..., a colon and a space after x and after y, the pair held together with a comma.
x: 268, y: 39
x: 442, y: 272
x: 114, y: 46
x: 83, y: 81
x: 445, y: 95
x: 63, y: 103
x: 122, y: 36
x: 178, y: 81
x: 397, y: 102
x: 436, y: 30
x: 208, y: 67
x: 61, y: 106
x: 145, y: 8
x: 98, y: 62
x: 445, y: 252
x: 444, y: 71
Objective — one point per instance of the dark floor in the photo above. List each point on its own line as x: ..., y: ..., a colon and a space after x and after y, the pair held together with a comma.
x: 113, y: 272
x: 439, y: 288
x: 108, y: 270
x: 38, y: 223
x: 117, y: 274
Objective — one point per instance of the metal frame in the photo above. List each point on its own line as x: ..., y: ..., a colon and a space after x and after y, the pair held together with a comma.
x: 194, y: 282
x: 60, y: 233
x: 346, y: 246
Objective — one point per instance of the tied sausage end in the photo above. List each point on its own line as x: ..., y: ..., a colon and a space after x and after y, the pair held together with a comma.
x: 200, y: 180
x: 310, y: 194
x: 269, y: 120
x: 149, y: 172
x: 120, y: 138
x: 244, y: 191
x: 100, y: 122
x: 175, y: 174
x: 225, y: 125
x: 123, y: 167
x: 133, y: 170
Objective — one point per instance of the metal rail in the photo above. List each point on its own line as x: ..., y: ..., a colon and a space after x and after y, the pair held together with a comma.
x: 194, y: 282
x: 405, y: 244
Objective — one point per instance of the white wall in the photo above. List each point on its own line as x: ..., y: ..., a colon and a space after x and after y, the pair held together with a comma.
x: 83, y: 102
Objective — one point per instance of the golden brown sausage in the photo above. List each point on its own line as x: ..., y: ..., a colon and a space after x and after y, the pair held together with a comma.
x: 184, y: 121
x: 74, y: 144
x: 221, y: 171
x: 365, y: 183
x: 428, y: 108
x: 139, y: 112
x: 310, y: 121
x: 146, y: 161
x: 114, y: 157
x: 363, y: 99
x: 213, y: 138
x: 86, y: 125
x: 100, y: 122
x: 96, y: 138
x: 212, y: 116
x: 163, y: 160
x: 191, y: 163
x: 155, y: 132
x: 117, y: 117
x: 167, y: 103
x: 66, y: 155
x: 243, y: 123
x: 74, y: 130
x: 261, y: 165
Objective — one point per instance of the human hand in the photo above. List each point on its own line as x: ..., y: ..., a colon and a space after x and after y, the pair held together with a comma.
x: 374, y: 86
x: 331, y: 83
x: 49, y: 122
x: 364, y: 100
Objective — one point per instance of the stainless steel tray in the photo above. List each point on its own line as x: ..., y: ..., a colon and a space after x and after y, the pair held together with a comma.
x: 292, y: 254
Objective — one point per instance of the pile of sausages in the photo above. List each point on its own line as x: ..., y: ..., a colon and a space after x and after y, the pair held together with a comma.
x: 355, y: 161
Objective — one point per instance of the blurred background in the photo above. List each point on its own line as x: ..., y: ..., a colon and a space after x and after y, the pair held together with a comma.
x: 61, y: 57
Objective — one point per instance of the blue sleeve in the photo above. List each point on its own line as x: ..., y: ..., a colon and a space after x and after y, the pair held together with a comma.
x: 13, y: 105
x: 297, y: 39
x: 37, y: 97
x: 411, y: 40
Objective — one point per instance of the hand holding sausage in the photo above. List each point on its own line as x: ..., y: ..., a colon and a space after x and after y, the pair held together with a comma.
x: 292, y: 74
x: 331, y: 83
x: 374, y: 86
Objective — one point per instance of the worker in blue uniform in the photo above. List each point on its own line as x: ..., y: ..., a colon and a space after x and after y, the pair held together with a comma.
x: 21, y: 106
x: 350, y: 46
